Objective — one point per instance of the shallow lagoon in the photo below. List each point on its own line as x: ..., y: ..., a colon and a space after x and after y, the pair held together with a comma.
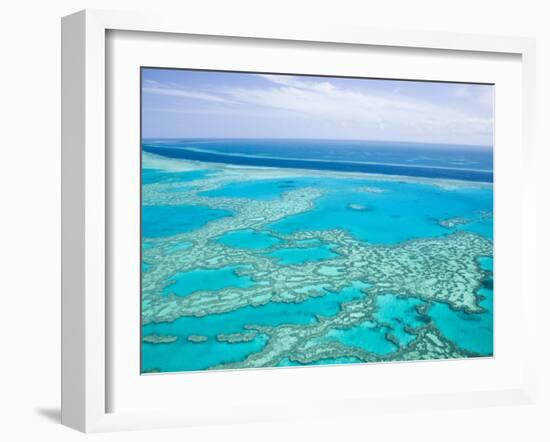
x: 185, y: 355
x: 186, y: 283
x: 159, y: 221
x: 399, y: 313
x: 403, y: 211
x: 367, y: 336
x: 400, y: 211
x: 473, y: 332
x: 271, y: 314
x: 261, y: 190
x: 150, y: 176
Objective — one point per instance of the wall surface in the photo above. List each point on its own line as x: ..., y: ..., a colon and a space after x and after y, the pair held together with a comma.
x: 30, y: 218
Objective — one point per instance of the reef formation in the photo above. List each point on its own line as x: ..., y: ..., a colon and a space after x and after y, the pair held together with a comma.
x: 441, y: 269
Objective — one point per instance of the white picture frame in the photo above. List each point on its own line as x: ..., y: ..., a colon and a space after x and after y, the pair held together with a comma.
x: 86, y: 207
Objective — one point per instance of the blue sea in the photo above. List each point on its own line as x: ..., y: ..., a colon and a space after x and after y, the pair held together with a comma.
x: 472, y: 163
x: 409, y: 206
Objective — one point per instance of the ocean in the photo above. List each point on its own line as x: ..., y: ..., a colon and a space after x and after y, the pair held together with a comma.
x: 472, y: 163
x: 265, y: 253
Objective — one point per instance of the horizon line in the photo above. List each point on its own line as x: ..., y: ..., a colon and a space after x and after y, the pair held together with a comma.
x: 489, y: 146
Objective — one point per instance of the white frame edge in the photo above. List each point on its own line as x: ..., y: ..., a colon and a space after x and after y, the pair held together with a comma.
x: 84, y: 382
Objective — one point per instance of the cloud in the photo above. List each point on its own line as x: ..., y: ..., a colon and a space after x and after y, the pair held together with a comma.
x: 485, y: 97
x: 298, y: 82
x: 386, y: 110
x: 462, y: 91
x: 152, y: 82
x: 367, y: 111
x: 475, y: 93
x: 184, y: 93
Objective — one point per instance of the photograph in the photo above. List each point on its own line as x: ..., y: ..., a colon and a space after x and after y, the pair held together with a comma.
x: 292, y: 220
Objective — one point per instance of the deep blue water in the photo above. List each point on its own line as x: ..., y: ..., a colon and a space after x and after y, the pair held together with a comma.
x: 472, y: 163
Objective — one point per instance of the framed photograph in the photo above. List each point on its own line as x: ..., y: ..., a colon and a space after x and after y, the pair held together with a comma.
x: 269, y: 223
x: 291, y: 220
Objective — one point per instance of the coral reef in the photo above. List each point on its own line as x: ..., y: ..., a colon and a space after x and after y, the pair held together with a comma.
x: 197, y: 339
x: 237, y: 337
x: 159, y: 339
x: 440, y: 269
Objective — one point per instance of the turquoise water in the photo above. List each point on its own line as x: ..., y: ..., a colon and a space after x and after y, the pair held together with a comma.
x: 486, y: 263
x: 273, y: 313
x: 158, y: 221
x: 190, y: 356
x: 402, y: 212
x: 374, y: 210
x: 300, y: 255
x: 366, y: 335
x: 186, y: 283
x: 470, y: 163
x: 473, y: 332
x: 259, y: 190
x: 399, y: 313
x: 180, y: 246
x: 393, y: 315
x: 248, y: 239
x: 183, y: 354
x: 150, y: 176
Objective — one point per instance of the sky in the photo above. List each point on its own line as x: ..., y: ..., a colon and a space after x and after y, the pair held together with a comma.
x: 204, y: 104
